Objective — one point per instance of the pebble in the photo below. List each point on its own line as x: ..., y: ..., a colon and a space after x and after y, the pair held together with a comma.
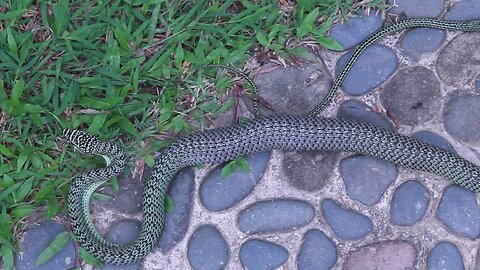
x: 346, y: 224
x: 460, y: 118
x: 412, y: 96
x: 218, y: 193
x: 35, y: 240
x: 262, y: 255
x: 309, y: 170
x: 275, y: 216
x: 293, y: 90
x: 207, y: 249
x: 367, y: 178
x: 123, y: 231
x: 318, y: 252
x: 409, y: 203
x: 359, y: 111
x: 459, y: 211
x: 463, y: 70
x: 434, y: 139
x: 416, y: 9
x: 181, y: 191
x: 129, y: 197
x: 419, y: 41
x: 464, y: 10
x: 372, y: 68
x: 445, y: 255
x: 356, y: 29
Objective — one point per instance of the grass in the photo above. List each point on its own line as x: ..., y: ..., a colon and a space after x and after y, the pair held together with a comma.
x: 117, y: 69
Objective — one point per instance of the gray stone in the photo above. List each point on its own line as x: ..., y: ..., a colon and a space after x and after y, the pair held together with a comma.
x: 309, y: 170
x: 129, y: 197
x: 346, y: 224
x: 35, y: 240
x: 217, y: 193
x: 275, y: 216
x: 412, y: 96
x: 293, y: 90
x: 460, y: 118
x: 409, y: 203
x: 259, y: 255
x: 459, y: 211
x: 419, y: 41
x: 181, y: 191
x: 382, y: 255
x: 373, y: 67
x: 445, y: 255
x: 356, y: 29
x: 477, y: 83
x: 359, y: 111
x: 433, y: 138
x: 367, y: 178
x: 318, y: 252
x: 464, y: 10
x: 457, y: 64
x: 123, y: 231
x: 415, y: 8
x: 207, y: 249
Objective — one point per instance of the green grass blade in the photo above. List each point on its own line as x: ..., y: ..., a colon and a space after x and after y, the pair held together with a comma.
x: 53, y: 248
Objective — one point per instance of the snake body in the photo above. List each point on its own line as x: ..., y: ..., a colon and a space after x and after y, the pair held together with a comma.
x: 260, y: 134
x: 464, y: 26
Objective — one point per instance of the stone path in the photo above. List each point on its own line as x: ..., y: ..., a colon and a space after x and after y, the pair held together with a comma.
x: 318, y: 210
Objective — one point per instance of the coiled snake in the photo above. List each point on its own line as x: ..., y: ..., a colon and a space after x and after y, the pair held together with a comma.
x: 260, y: 134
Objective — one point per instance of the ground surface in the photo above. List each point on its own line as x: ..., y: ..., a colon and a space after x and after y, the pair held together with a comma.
x: 316, y: 210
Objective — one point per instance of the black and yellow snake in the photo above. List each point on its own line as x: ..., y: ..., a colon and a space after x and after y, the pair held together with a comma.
x: 260, y: 134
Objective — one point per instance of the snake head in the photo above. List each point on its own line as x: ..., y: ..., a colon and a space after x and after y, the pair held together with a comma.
x: 81, y: 140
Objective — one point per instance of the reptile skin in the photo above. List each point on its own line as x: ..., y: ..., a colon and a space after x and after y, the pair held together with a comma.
x: 259, y: 134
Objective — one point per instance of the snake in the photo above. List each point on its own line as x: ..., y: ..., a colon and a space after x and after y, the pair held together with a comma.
x: 284, y: 132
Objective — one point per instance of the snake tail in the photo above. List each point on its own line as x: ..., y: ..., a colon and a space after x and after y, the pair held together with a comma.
x: 465, y: 26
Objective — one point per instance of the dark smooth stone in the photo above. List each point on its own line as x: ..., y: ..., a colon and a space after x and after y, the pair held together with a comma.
x: 445, y: 255
x: 275, y: 216
x: 207, y: 249
x: 367, y: 178
x: 217, y: 193
x: 460, y: 118
x: 459, y: 212
x: 318, y: 252
x: 262, y: 255
x: 359, y: 111
x: 181, y: 191
x: 346, y: 224
x: 409, y: 204
x: 35, y: 240
x: 374, y: 66
x: 412, y: 96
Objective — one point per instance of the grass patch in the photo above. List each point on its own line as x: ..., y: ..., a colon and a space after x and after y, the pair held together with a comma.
x: 116, y: 68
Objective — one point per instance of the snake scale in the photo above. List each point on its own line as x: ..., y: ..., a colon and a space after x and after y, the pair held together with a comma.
x: 260, y: 134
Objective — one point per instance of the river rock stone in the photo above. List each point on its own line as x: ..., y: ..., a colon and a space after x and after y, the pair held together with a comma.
x: 262, y: 255
x: 318, y: 252
x: 207, y: 249
x: 346, y: 224
x: 275, y: 216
